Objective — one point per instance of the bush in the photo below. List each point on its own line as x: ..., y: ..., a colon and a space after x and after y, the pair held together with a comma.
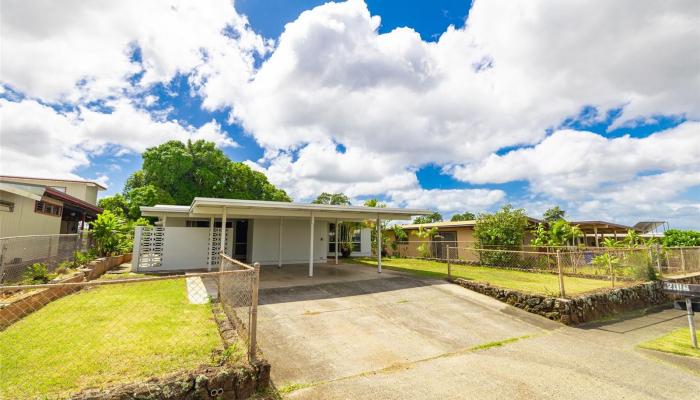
x: 345, y: 249
x: 80, y: 258
x: 679, y: 238
x: 37, y: 273
x: 502, y: 230
x: 110, y: 233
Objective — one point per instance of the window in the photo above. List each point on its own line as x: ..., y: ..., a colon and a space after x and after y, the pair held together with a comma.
x: 43, y: 207
x: 59, y: 188
x: 7, y: 206
x: 354, y: 237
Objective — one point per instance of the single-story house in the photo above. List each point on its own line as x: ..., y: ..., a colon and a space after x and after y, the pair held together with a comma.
x: 40, y: 206
x: 190, y: 237
x: 449, y: 233
x: 594, y: 232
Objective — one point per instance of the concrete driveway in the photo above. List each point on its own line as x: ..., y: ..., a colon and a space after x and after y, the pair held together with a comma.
x: 352, y: 333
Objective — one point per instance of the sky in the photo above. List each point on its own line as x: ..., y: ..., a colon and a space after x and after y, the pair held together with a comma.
x: 446, y: 105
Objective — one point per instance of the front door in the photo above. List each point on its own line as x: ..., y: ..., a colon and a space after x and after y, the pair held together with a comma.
x: 441, y: 241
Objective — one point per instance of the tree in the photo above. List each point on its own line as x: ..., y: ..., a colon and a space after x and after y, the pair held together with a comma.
x: 332, y: 198
x: 465, y: 216
x: 505, y: 228
x: 428, y: 234
x: 554, y: 214
x: 109, y: 233
x: 427, y: 219
x: 400, y: 236
x: 559, y: 233
x: 177, y: 172
x: 117, y: 204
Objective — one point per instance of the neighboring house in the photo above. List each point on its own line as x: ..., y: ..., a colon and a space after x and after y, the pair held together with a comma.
x: 37, y: 206
x: 596, y: 231
x: 452, y: 233
x: 267, y: 232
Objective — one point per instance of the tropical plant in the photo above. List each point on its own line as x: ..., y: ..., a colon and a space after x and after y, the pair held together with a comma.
x: 553, y: 214
x: 427, y: 235
x: 606, y: 261
x: 400, y: 235
x: 559, y: 233
x: 505, y: 230
x: 36, y: 273
x: 109, y: 232
x: 372, y: 226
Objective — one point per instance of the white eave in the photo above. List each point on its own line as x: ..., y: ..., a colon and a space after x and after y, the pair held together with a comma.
x: 207, y: 207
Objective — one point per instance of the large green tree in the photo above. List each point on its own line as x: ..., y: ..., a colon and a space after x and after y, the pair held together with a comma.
x: 177, y: 172
x: 504, y: 228
x: 427, y: 219
x: 554, y: 214
x: 332, y: 198
x: 465, y: 216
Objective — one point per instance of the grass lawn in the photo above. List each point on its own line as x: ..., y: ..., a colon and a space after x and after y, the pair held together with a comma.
x: 676, y: 342
x: 106, y: 335
x: 546, y: 284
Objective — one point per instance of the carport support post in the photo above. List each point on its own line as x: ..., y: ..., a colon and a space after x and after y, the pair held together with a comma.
x: 279, y: 250
x: 449, y: 269
x: 691, y: 321
x: 222, y: 246
x: 254, y: 313
x: 337, y: 249
x: 311, y: 247
x: 562, y: 293
x: 210, y: 248
x: 379, y: 245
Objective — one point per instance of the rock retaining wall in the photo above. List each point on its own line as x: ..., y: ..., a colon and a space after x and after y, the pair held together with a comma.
x: 205, y: 383
x: 579, y: 309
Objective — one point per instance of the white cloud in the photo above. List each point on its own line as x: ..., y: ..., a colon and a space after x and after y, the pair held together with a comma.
x: 447, y: 201
x: 517, y: 68
x: 73, y: 50
x: 38, y: 140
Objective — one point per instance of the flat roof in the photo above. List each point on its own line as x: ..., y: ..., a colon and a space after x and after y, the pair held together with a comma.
x: 206, y: 206
x: 453, y: 224
x: 10, y: 177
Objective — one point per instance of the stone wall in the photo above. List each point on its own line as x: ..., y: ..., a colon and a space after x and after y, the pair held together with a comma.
x: 579, y: 309
x: 226, y: 382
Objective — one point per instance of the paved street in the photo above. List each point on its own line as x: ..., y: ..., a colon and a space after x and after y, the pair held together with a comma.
x: 353, y: 333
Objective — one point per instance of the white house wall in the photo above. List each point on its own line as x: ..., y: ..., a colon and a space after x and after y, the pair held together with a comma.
x: 186, y: 248
x: 295, y: 241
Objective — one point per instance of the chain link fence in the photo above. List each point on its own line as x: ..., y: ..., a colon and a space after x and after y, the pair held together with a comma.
x: 19, y: 252
x: 59, y: 339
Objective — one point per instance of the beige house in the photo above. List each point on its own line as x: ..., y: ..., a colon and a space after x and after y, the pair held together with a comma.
x: 458, y: 234
x: 39, y: 206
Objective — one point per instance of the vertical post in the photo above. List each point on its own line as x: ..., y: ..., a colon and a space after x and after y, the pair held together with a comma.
x: 337, y: 248
x: 562, y: 293
x: 658, y: 258
x: 682, y: 260
x: 449, y: 269
x: 279, y: 250
x: 311, y: 247
x: 210, y: 247
x: 222, y: 246
x: 691, y: 321
x: 595, y: 232
x: 254, y: 312
x: 612, y: 271
x: 379, y: 245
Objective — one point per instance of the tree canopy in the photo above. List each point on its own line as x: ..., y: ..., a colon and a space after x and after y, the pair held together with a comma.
x: 176, y: 172
x: 504, y: 228
x: 427, y: 219
x: 465, y: 216
x: 677, y: 237
x: 332, y: 198
x: 553, y: 214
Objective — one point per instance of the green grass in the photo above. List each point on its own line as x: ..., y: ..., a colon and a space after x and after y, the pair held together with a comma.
x: 106, y: 335
x: 676, y: 342
x: 499, y: 343
x: 545, y: 284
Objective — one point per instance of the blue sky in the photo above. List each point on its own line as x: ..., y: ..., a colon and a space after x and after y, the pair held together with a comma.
x: 422, y: 104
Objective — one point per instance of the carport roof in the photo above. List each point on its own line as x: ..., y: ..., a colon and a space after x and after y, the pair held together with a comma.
x: 204, y: 206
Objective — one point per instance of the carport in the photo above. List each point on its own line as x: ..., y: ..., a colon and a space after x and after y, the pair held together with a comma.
x: 277, y: 233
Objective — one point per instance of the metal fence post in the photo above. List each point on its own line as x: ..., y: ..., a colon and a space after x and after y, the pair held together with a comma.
x: 449, y: 269
x: 658, y: 258
x: 682, y: 260
x: 254, y: 312
x: 562, y: 293
x: 691, y: 321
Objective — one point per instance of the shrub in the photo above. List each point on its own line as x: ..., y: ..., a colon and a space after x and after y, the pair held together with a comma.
x: 345, y: 249
x: 37, y: 273
x: 678, y: 238
x: 504, y: 230
x: 110, y: 233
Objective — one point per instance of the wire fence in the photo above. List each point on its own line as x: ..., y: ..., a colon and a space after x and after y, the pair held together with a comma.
x: 59, y: 339
x: 19, y: 252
